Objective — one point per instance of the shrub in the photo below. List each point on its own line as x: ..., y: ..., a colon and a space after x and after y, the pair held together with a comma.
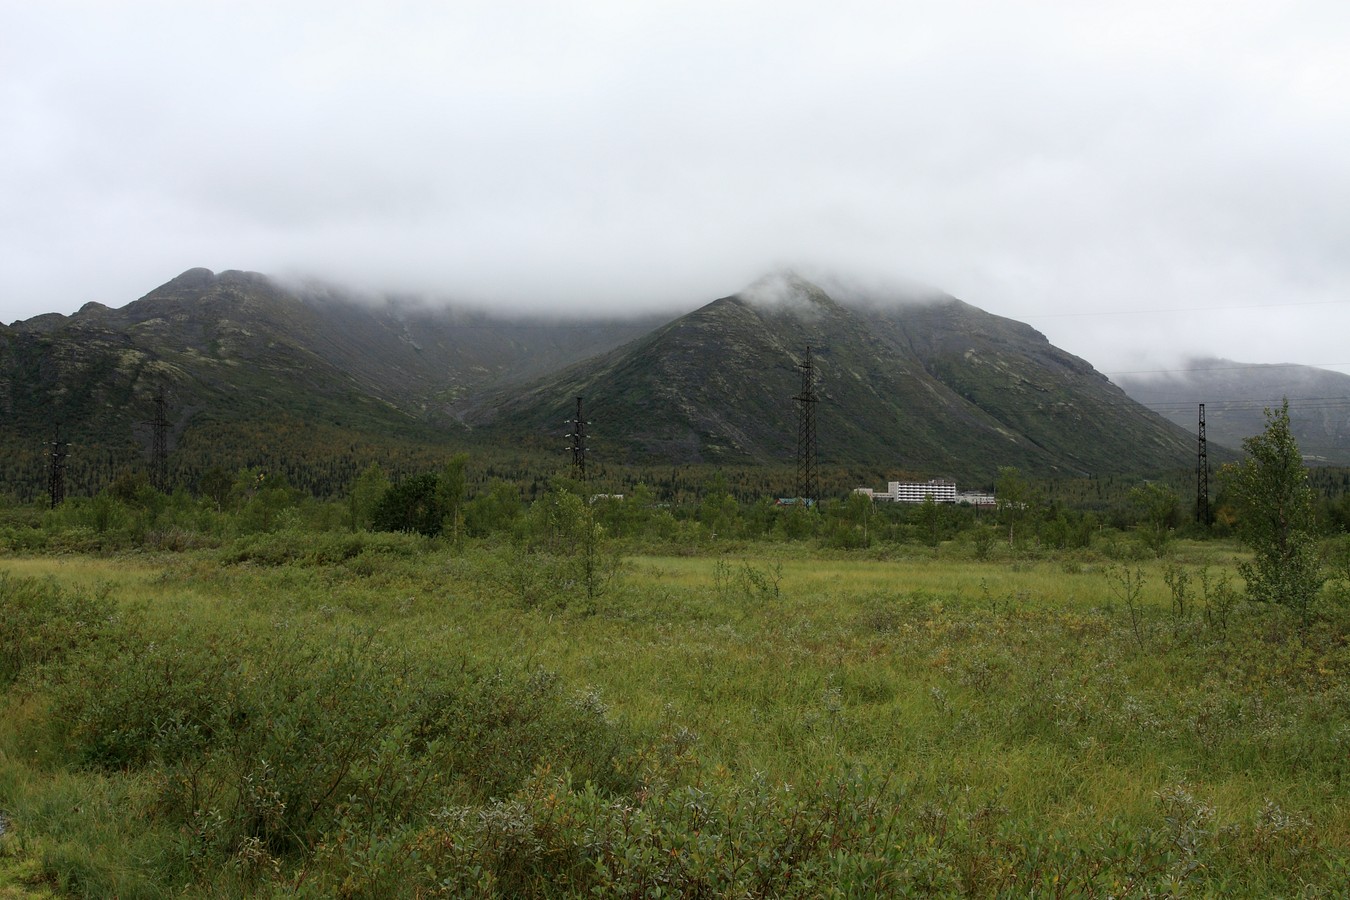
x: 45, y: 623
x: 285, y: 548
x: 263, y: 749
x: 153, y: 700
x: 1276, y: 517
x: 414, y: 504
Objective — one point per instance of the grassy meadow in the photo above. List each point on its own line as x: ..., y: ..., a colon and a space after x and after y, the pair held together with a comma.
x: 390, y: 715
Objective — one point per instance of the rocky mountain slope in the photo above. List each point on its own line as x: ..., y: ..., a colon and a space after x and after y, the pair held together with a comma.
x: 935, y: 386
x: 308, y: 378
x: 239, y: 339
x: 257, y: 372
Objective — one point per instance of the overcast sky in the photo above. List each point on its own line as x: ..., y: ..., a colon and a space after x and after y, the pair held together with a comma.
x: 1137, y: 180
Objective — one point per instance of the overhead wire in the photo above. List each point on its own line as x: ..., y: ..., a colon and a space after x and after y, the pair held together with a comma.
x: 1189, y: 309
x: 1235, y: 367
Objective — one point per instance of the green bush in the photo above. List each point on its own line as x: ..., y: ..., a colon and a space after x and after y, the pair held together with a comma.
x: 266, y: 748
x: 152, y: 700
x: 414, y: 504
x: 44, y: 623
x: 22, y: 538
x: 1276, y: 517
x: 283, y: 548
x: 846, y: 834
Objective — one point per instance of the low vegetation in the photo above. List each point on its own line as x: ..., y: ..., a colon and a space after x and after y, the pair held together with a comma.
x: 255, y: 694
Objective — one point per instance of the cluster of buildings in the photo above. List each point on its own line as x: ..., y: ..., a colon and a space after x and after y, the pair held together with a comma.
x: 941, y: 490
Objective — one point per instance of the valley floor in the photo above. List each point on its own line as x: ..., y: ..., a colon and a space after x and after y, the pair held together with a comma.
x: 403, y: 718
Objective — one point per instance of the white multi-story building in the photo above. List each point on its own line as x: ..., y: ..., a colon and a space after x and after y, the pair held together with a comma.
x: 918, y: 491
x: 941, y: 490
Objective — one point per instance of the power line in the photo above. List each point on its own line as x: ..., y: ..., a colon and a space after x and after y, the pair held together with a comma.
x: 159, y: 444
x: 578, y: 445
x: 56, y: 473
x: 806, y: 430
x: 1252, y: 404
x: 1237, y: 367
x: 1202, y: 476
x: 1006, y: 404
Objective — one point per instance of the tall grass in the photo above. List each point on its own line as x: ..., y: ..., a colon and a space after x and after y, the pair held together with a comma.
x: 386, y: 717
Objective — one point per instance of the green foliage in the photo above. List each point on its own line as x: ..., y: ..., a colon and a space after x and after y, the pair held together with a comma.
x: 719, y: 512
x: 1178, y: 581
x: 794, y: 727
x: 260, y: 499
x: 1067, y: 530
x: 557, y: 523
x: 271, y: 749
x: 364, y: 496
x: 1275, y: 510
x: 106, y: 513
x: 450, y: 493
x: 1012, y: 496
x: 1128, y: 586
x: 301, y: 548
x: 560, y: 553
x: 748, y: 581
x: 1157, y: 506
x: 321, y: 712
x: 494, y: 511
x: 414, y: 504
x: 797, y: 521
x: 43, y: 623
x: 982, y: 540
x: 215, y: 485
x: 862, y: 509
x: 134, y: 489
x: 429, y: 504
x: 633, y: 516
x: 930, y: 521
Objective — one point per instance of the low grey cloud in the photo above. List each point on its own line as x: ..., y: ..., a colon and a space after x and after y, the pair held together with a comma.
x: 1141, y: 182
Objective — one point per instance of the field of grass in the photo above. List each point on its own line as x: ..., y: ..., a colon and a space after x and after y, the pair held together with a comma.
x: 397, y: 717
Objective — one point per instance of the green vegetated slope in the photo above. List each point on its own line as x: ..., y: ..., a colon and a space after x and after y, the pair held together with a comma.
x: 254, y: 340
x: 933, y: 386
x: 309, y: 381
x: 1073, y: 418
x: 306, y: 380
x: 1237, y: 394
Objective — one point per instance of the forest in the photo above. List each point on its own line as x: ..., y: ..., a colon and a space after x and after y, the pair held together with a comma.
x: 475, y: 679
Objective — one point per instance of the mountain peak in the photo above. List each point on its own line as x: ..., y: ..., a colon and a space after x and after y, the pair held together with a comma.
x: 192, y: 279
x: 200, y: 279
x: 785, y: 291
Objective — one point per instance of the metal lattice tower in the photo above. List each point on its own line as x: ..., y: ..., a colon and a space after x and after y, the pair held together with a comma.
x: 56, y: 472
x: 806, y: 430
x: 578, y: 445
x: 159, y: 447
x: 1202, y: 477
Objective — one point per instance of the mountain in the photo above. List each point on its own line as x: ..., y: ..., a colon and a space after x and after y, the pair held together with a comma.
x: 1236, y: 395
x: 205, y: 332
x: 934, y: 386
x: 260, y: 373
x: 311, y: 382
